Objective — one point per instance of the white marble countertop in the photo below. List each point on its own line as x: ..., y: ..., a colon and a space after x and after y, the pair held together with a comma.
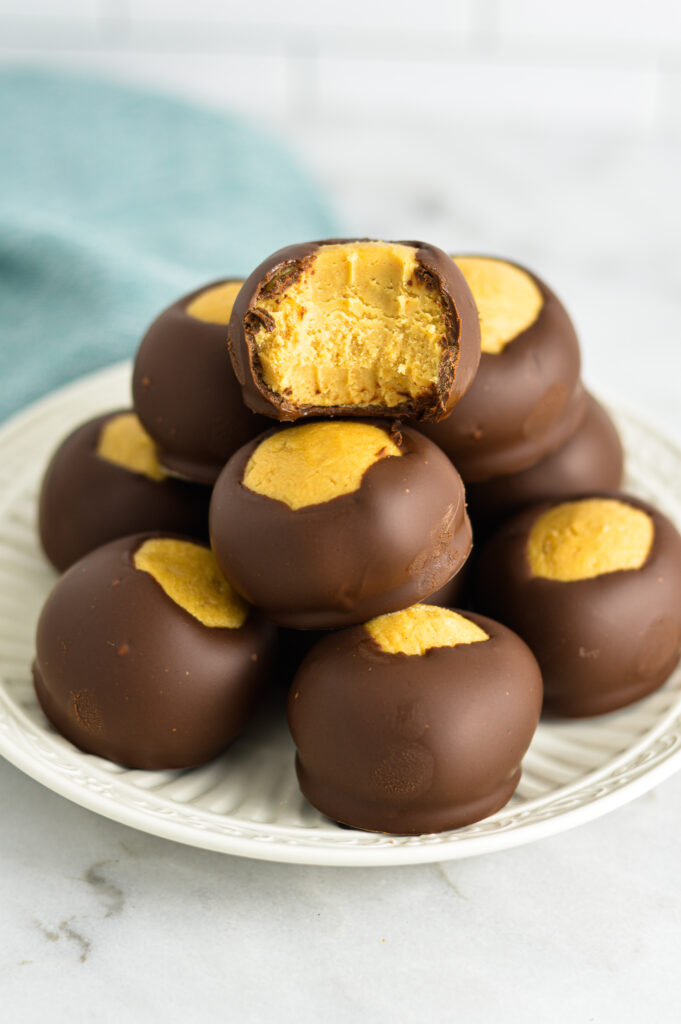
x: 102, y: 923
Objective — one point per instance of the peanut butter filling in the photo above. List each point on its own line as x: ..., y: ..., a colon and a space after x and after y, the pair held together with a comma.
x: 579, y: 540
x: 507, y: 298
x: 316, y: 462
x: 420, y: 628
x: 189, y: 575
x: 358, y: 327
x: 124, y: 441
x: 215, y: 304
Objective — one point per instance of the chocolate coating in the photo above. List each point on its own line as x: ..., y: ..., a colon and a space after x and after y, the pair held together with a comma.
x: 186, y: 395
x: 408, y: 744
x: 602, y: 643
x: 524, y: 403
x: 452, y: 594
x: 398, y: 538
x: 86, y: 500
x: 461, y: 346
x: 124, y: 672
x: 591, y: 460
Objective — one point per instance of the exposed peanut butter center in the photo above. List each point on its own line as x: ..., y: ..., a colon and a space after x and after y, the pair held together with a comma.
x: 124, y: 441
x: 357, y: 327
x: 189, y: 575
x: 422, y: 627
x: 215, y: 304
x: 583, y: 539
x: 316, y: 462
x: 507, y: 298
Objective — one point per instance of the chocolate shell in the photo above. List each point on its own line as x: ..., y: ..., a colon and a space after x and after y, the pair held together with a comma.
x: 186, y: 395
x: 402, y: 535
x: 524, y: 403
x: 460, y: 343
x: 603, y: 642
x: 124, y: 672
x: 453, y: 593
x: 591, y: 460
x: 408, y: 744
x: 85, y: 500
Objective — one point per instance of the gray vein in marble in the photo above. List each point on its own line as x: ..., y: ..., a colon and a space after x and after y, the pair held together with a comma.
x: 107, y: 890
x: 47, y: 932
x: 111, y: 898
x: 74, y: 936
x: 65, y: 931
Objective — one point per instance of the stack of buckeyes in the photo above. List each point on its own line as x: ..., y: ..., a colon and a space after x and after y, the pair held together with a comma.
x: 206, y: 547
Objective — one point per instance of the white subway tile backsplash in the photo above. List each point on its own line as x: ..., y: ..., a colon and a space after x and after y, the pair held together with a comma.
x: 314, y: 15
x: 248, y: 83
x: 670, y: 100
x: 436, y: 60
x: 49, y: 9
x: 657, y: 21
x: 415, y: 90
x: 245, y: 84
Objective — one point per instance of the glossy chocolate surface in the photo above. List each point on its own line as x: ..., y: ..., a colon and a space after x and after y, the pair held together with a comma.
x: 86, y: 500
x: 408, y: 744
x: 398, y: 538
x: 124, y: 672
x: 186, y: 395
x: 461, y: 347
x: 601, y: 643
x: 452, y: 594
x: 591, y: 460
x: 524, y: 402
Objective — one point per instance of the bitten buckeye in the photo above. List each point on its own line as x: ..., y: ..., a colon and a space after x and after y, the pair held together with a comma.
x: 355, y: 327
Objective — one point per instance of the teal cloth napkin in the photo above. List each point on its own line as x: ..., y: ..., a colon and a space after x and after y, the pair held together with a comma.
x: 113, y: 202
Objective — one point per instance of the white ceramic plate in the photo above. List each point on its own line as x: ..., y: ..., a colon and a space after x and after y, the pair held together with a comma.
x: 247, y: 802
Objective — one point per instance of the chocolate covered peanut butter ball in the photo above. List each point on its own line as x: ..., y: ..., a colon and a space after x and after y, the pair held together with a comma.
x: 594, y: 587
x: 326, y: 524
x: 184, y: 388
x: 526, y: 399
x: 147, y: 656
x: 415, y: 721
x: 355, y: 327
x: 105, y: 481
